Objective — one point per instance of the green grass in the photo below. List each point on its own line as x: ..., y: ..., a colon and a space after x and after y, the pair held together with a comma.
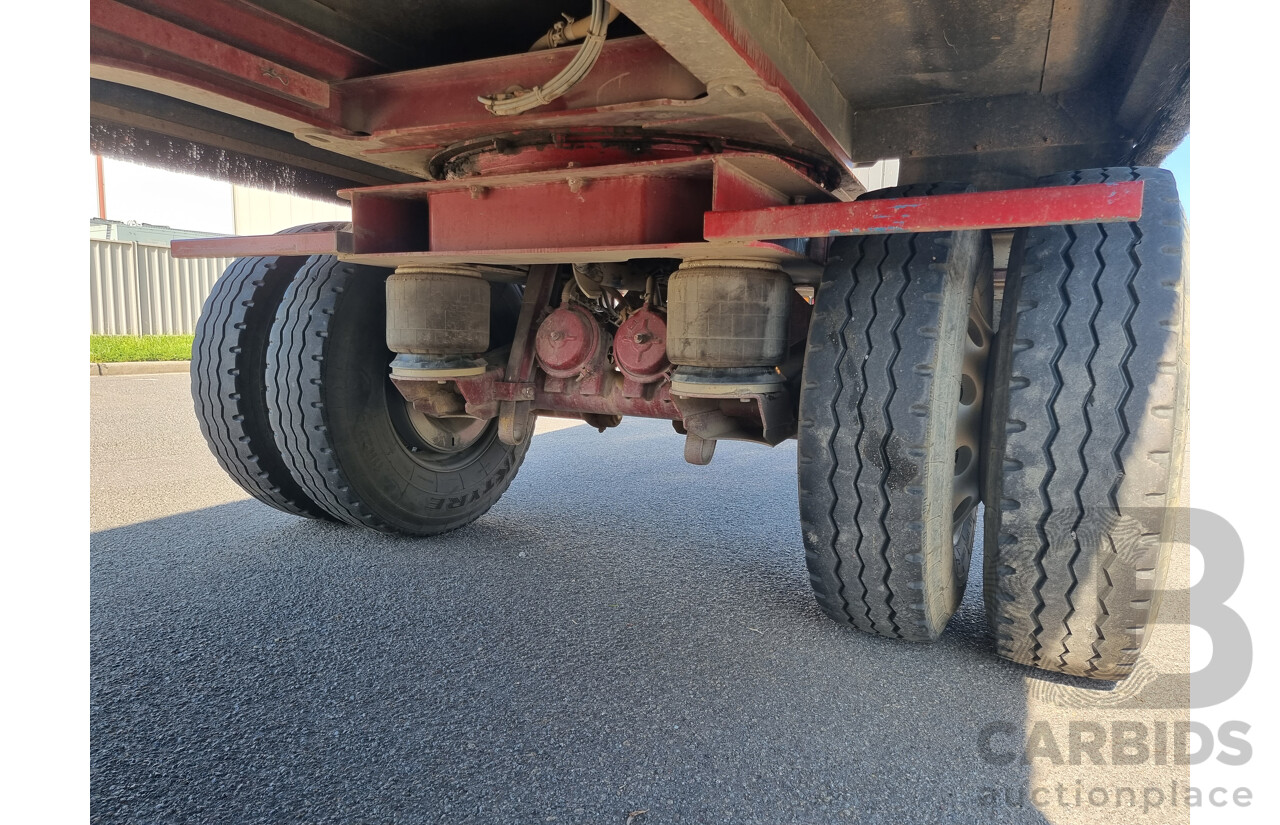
x: 117, y: 348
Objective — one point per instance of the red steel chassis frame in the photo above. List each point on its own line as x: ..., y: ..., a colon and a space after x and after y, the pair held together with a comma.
x: 612, y: 171
x: 480, y: 227
x: 252, y: 63
x: 498, y: 231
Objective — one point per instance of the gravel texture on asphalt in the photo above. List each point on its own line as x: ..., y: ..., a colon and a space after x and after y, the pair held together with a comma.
x: 623, y: 632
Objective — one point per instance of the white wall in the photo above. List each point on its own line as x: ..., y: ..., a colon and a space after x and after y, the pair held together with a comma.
x: 259, y: 212
x: 157, y: 196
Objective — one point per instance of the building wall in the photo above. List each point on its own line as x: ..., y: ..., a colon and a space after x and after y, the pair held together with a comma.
x: 136, y: 287
x: 140, y: 289
x: 141, y: 232
x: 259, y: 212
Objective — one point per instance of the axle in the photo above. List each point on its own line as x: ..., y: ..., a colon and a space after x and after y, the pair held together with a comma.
x: 706, y: 346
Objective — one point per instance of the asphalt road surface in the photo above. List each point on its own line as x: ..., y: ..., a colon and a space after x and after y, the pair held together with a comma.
x: 624, y: 637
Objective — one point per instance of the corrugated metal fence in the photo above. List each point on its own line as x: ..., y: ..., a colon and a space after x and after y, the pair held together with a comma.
x: 140, y: 289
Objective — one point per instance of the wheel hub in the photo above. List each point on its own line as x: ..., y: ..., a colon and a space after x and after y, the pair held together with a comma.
x: 445, y: 435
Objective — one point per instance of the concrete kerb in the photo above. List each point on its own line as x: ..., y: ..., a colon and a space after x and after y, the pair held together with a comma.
x: 139, y: 367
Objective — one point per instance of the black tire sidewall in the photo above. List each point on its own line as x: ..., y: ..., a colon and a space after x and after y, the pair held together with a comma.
x: 405, y: 491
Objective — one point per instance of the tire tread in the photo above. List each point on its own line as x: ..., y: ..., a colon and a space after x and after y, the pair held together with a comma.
x: 861, y: 516
x: 1077, y: 520
x: 228, y: 383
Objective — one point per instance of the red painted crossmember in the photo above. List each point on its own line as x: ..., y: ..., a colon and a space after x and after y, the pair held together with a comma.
x: 1006, y: 209
x: 235, y: 246
x: 173, y: 41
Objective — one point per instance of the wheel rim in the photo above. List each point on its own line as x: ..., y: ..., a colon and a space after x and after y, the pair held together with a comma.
x: 445, y: 435
x: 438, y: 444
x: 966, y: 485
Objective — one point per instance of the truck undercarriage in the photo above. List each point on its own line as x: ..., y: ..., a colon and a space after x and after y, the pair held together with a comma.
x: 654, y: 209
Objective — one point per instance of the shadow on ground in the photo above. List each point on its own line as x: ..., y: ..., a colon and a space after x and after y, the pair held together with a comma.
x: 623, y: 632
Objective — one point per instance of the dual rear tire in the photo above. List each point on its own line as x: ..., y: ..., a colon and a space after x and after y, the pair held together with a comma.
x: 1082, y: 441
x: 1070, y: 423
x: 290, y: 378
x: 347, y: 435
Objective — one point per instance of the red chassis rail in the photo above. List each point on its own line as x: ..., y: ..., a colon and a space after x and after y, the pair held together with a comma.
x: 498, y: 237
x: 676, y: 207
x: 1006, y: 209
x: 303, y: 243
